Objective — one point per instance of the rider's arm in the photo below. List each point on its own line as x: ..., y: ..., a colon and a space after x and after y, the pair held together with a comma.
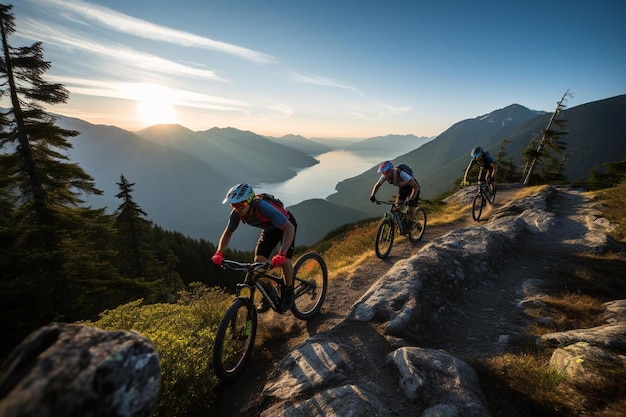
x: 415, y: 189
x: 495, y: 169
x: 469, y: 166
x: 233, y: 222
x: 224, y: 240
x: 408, y: 179
x: 377, y: 186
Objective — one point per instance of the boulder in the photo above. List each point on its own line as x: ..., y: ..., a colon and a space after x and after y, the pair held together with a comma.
x: 76, y: 370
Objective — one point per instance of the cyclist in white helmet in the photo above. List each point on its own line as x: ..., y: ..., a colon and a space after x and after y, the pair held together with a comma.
x: 278, y: 226
x: 408, y: 187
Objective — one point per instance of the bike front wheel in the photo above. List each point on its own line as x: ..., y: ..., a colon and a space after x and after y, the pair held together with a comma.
x: 419, y: 226
x: 310, y: 281
x: 477, y: 206
x: 234, y: 339
x: 384, y: 238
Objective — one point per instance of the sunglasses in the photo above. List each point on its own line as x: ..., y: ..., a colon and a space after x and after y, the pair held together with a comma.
x: 240, y: 205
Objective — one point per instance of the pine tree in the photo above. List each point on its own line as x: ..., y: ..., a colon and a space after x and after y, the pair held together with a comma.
x: 56, y: 249
x: 136, y: 257
x: 507, y: 170
x: 550, y: 150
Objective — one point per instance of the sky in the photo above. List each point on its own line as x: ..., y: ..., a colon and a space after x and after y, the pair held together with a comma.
x: 322, y: 68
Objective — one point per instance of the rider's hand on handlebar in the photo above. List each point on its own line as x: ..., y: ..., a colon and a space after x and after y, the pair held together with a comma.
x: 373, y: 198
x: 218, y: 258
x: 491, y: 180
x: 279, y: 259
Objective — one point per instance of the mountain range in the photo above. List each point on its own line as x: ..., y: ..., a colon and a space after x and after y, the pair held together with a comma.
x: 181, y: 176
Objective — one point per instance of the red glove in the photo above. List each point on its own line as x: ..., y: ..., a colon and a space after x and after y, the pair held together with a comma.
x: 217, y: 258
x: 279, y: 259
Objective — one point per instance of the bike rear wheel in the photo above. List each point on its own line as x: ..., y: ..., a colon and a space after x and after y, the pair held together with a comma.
x: 477, y: 206
x: 419, y: 226
x: 234, y: 339
x: 310, y: 281
x: 384, y: 238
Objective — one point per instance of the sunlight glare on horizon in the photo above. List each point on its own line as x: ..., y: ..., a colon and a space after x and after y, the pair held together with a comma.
x: 155, y: 105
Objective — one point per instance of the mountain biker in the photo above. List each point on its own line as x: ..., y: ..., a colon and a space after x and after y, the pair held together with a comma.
x: 488, y: 166
x: 406, y: 183
x: 278, y: 226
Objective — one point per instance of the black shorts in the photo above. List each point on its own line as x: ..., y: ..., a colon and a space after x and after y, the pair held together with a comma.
x: 272, y: 236
x: 404, y: 192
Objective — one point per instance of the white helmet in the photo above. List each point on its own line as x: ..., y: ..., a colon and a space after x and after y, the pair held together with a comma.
x: 239, y: 193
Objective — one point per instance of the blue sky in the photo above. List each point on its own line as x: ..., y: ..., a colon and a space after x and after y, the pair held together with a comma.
x: 323, y: 68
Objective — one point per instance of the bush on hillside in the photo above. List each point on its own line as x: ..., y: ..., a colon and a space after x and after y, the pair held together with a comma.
x: 183, y: 335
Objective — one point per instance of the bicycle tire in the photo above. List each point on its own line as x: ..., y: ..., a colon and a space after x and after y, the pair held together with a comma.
x: 234, y: 339
x: 419, y: 227
x: 310, y: 284
x: 477, y: 206
x: 384, y: 238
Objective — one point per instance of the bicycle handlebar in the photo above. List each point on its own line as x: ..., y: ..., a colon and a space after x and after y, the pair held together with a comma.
x: 390, y: 204
x: 246, y: 266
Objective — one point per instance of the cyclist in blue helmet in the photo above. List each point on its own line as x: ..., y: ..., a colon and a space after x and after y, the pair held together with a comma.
x: 487, y: 164
x: 408, y: 187
x: 278, y: 227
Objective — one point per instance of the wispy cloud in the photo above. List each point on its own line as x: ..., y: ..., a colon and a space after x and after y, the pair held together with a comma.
x: 140, y: 28
x: 322, y: 81
x: 132, y: 59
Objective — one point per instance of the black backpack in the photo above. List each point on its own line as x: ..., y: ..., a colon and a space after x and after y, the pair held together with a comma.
x: 406, y: 168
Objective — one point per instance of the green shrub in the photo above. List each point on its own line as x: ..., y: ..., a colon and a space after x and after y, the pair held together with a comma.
x: 183, y: 335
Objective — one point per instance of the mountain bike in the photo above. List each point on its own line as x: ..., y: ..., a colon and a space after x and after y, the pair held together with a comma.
x: 396, y: 217
x: 485, y: 192
x: 236, y: 331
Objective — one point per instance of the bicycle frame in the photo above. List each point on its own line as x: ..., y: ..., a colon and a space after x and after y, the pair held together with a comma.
x: 394, y: 214
x: 255, y: 272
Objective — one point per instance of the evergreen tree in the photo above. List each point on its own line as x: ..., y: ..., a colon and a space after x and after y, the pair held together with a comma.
x: 549, y: 152
x: 136, y: 257
x: 54, y: 247
x: 507, y: 170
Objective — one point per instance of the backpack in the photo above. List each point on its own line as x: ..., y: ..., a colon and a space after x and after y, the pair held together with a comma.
x: 395, y: 178
x: 406, y: 169
x: 272, y: 200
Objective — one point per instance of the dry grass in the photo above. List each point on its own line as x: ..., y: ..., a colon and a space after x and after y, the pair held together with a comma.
x: 614, y: 200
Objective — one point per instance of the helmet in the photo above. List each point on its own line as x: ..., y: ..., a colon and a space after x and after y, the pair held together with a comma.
x: 239, y: 193
x: 384, y: 167
x: 476, y: 152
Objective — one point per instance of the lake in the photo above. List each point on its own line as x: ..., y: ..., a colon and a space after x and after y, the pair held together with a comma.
x: 319, y: 181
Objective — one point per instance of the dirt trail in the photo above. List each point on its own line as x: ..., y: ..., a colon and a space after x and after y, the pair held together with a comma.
x: 472, y: 328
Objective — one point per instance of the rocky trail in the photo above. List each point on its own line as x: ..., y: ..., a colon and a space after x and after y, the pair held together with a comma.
x: 481, y: 317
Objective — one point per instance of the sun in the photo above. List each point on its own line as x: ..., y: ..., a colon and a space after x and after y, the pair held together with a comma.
x: 154, y: 111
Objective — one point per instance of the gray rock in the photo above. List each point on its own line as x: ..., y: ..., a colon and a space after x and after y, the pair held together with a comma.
x: 74, y: 370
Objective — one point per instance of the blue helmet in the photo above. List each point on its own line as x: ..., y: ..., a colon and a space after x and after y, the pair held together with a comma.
x: 476, y: 152
x: 384, y: 167
x: 239, y: 193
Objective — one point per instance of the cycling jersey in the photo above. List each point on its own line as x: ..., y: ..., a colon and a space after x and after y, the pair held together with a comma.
x: 266, y: 211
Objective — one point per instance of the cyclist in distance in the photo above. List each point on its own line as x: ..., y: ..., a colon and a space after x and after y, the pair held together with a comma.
x: 278, y: 226
x: 408, y: 187
x: 487, y: 164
